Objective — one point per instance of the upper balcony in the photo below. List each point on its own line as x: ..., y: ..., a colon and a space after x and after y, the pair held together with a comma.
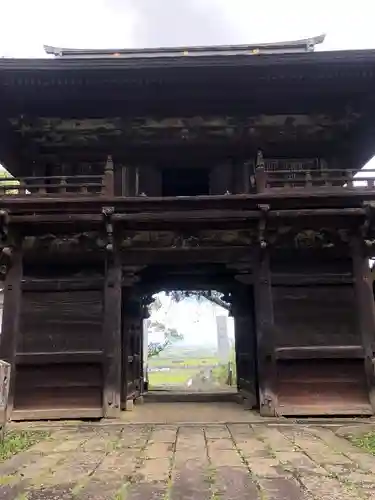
x: 263, y: 182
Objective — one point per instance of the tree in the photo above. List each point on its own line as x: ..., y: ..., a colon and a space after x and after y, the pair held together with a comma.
x: 171, y: 335
x: 211, y: 295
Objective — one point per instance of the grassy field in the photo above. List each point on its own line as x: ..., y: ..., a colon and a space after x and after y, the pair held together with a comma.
x: 176, y: 362
x: 172, y: 377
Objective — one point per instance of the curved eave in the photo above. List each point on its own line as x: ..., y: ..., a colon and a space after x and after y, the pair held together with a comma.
x: 302, y: 45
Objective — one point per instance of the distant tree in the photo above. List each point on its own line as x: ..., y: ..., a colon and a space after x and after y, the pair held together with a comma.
x: 6, y: 181
x: 211, y: 295
x: 171, y: 335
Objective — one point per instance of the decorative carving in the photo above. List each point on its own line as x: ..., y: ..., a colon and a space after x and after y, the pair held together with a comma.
x: 178, y: 240
x: 89, y: 241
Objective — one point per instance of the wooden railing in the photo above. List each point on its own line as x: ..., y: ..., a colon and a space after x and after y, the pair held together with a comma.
x: 60, y: 186
x: 336, y: 179
x: 52, y: 186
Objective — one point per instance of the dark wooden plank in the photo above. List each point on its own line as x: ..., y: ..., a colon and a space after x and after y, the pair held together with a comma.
x: 188, y: 215
x: 46, y: 358
x: 321, y: 352
x: 112, y: 337
x: 365, y: 310
x: 57, y: 413
x: 11, y: 318
x: 60, y: 285
x: 265, y: 333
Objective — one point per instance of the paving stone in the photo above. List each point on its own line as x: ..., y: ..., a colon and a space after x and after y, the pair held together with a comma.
x: 158, y: 450
x: 235, y: 484
x: 316, y: 449
x: 217, y: 432
x: 238, y: 430
x: 155, y: 469
x: 282, y: 489
x: 219, y: 444
x: 226, y: 462
x: 266, y: 467
x: 146, y: 491
x: 167, y: 435
x: 299, y: 462
x: 252, y: 447
x: 326, y: 488
x: 75, y: 467
x: 273, y: 438
x: 60, y: 492
x: 229, y: 458
x: 191, y: 482
x: 32, y: 472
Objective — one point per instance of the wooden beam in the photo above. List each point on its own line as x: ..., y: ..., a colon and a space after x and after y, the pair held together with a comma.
x: 46, y: 358
x: 365, y: 310
x: 60, y: 285
x: 11, y: 318
x: 320, y: 352
x: 112, y: 337
x: 264, y: 317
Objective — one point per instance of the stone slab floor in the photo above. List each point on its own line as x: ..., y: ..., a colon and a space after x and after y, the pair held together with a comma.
x: 197, y: 462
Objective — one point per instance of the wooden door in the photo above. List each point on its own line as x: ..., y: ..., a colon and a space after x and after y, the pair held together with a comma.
x: 318, y: 352
x: 131, y: 350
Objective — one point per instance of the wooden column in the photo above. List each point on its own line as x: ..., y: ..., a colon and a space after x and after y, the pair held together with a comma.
x: 112, y: 337
x: 11, y: 317
x: 242, y: 311
x: 365, y: 310
x: 265, y: 333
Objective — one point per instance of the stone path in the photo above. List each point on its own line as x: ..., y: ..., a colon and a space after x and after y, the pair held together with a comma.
x: 233, y: 462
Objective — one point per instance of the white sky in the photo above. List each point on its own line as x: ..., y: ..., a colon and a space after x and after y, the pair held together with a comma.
x: 28, y: 24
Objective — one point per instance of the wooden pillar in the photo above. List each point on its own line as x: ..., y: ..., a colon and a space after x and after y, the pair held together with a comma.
x: 265, y: 333
x: 365, y: 310
x: 112, y: 337
x: 243, y: 311
x: 11, y: 317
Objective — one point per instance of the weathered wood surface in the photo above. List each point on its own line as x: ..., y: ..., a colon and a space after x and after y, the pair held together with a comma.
x: 365, y: 311
x: 319, y: 351
x: 5, y: 374
x: 10, y: 332
x: 265, y: 331
x: 112, y: 337
x: 59, y: 359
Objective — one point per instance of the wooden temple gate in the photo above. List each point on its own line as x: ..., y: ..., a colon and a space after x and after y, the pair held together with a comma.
x: 116, y: 192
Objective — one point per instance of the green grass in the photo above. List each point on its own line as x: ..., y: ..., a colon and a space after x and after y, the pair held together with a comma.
x: 17, y: 441
x: 173, y: 377
x: 367, y: 442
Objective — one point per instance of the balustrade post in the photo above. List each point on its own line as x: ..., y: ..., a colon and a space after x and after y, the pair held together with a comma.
x: 261, y: 179
x: 308, y: 179
x: 62, y: 188
x: 350, y: 179
x: 108, y: 184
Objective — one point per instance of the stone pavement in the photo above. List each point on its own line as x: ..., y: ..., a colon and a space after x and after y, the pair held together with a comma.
x: 199, y: 462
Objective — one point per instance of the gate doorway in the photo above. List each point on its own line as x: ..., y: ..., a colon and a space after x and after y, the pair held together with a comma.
x: 189, y: 344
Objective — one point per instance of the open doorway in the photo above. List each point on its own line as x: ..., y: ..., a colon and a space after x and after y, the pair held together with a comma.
x: 189, y: 342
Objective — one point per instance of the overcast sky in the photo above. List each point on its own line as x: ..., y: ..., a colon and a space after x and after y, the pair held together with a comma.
x: 28, y: 24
